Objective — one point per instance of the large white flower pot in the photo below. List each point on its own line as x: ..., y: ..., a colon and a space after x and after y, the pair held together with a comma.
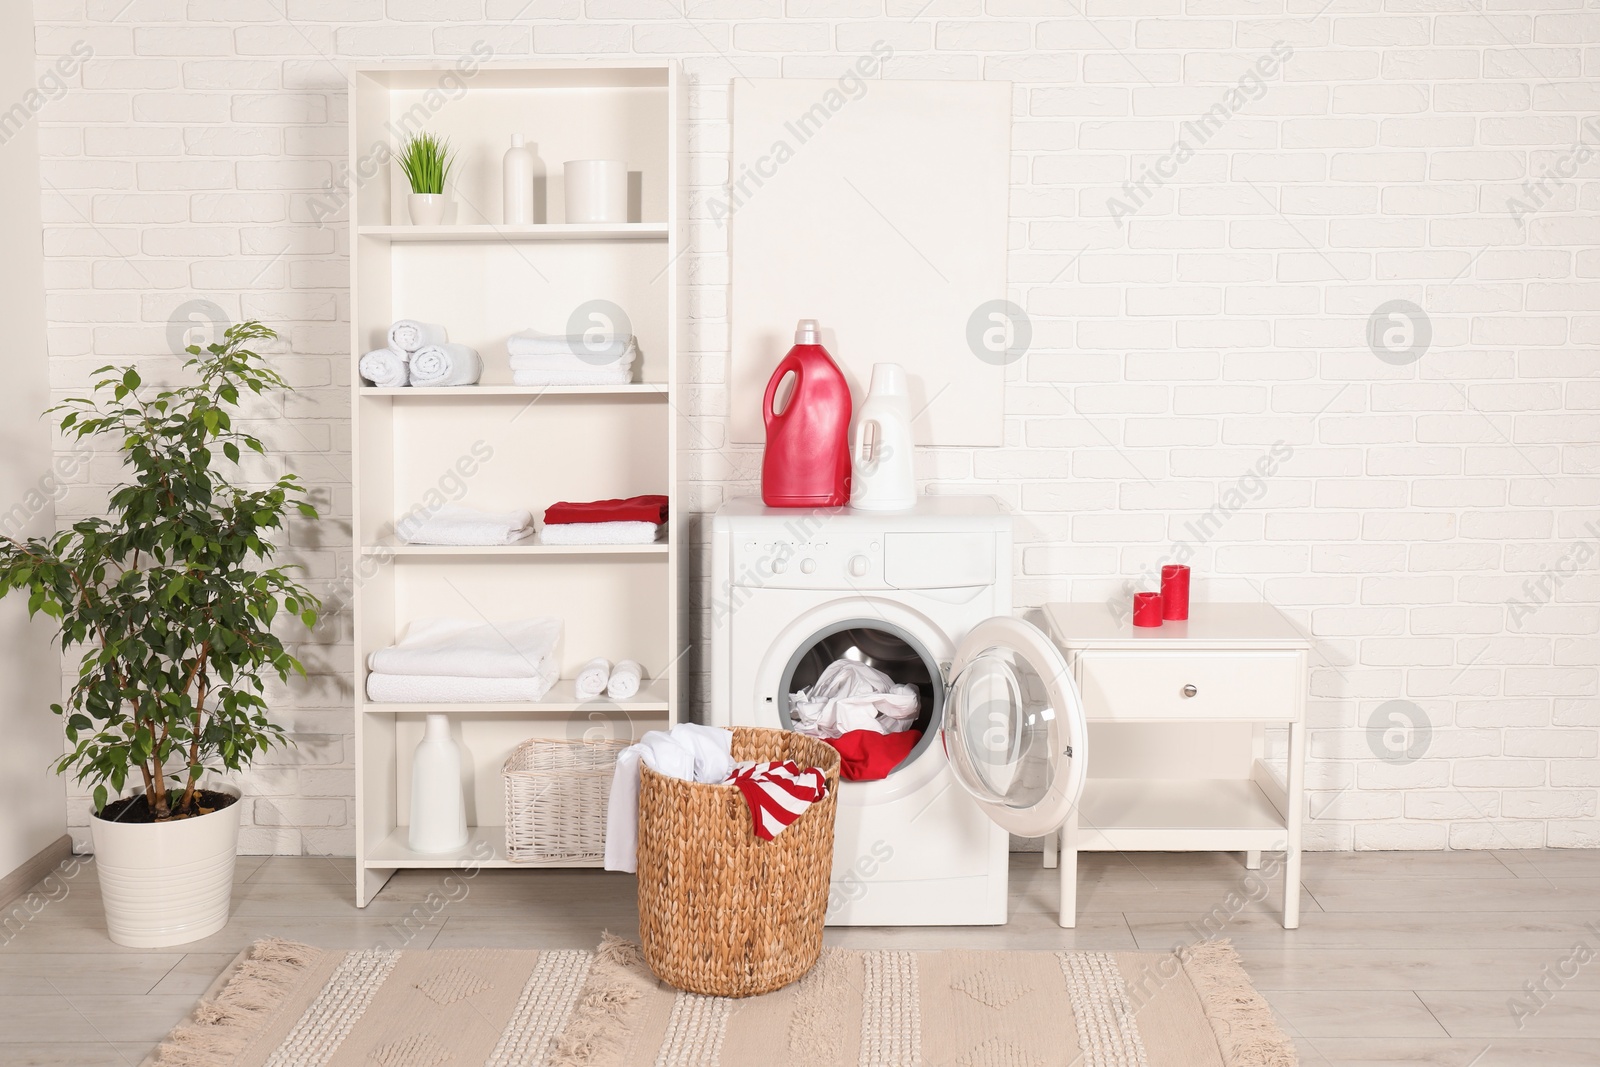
x: 167, y: 883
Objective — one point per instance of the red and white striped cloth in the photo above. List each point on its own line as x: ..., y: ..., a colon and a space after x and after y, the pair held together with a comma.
x: 778, y: 793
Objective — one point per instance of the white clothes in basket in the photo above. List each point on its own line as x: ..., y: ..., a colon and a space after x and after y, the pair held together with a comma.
x: 690, y: 751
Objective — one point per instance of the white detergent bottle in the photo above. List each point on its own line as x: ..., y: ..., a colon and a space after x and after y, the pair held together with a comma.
x: 438, y: 808
x: 881, y: 456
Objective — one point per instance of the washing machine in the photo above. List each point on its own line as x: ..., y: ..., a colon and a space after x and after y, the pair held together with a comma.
x: 925, y: 596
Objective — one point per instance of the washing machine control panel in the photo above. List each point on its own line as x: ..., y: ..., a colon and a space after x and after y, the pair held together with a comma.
x: 817, y: 562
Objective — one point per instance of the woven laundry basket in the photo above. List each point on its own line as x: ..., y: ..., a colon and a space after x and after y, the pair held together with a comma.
x: 722, y: 912
x: 557, y: 792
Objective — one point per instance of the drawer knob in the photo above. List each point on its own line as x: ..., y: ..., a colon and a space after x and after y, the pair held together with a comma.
x: 1190, y: 691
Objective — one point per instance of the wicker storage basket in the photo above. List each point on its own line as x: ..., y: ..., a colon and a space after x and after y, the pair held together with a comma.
x: 556, y: 798
x: 722, y: 912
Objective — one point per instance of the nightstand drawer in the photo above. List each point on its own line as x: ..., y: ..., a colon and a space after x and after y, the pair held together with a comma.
x: 1238, y: 686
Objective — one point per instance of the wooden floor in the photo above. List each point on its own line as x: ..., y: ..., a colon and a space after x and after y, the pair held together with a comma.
x: 1402, y: 958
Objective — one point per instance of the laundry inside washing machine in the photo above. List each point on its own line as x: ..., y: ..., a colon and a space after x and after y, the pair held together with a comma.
x: 868, y: 688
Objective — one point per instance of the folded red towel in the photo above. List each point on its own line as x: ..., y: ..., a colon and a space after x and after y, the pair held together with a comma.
x: 778, y: 793
x: 869, y: 755
x: 633, y: 509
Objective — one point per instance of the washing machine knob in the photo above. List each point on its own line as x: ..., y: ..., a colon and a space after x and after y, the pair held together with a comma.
x: 808, y: 565
x: 858, y: 566
x: 780, y: 564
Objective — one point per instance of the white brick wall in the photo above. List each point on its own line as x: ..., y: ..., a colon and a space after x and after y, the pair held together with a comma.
x: 1431, y: 527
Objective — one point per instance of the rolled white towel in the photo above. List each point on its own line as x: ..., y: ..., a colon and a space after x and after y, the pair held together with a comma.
x: 576, y: 375
x: 592, y: 678
x: 385, y: 368
x: 409, y: 335
x: 446, y: 364
x: 454, y: 524
x: 599, y: 533
x: 456, y: 689
x: 625, y: 679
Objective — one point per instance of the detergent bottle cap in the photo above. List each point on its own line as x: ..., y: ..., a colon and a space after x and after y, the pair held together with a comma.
x: 888, y: 379
x: 516, y: 140
x: 807, y: 333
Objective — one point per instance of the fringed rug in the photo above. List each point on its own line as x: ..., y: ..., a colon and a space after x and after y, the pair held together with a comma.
x: 287, y: 1005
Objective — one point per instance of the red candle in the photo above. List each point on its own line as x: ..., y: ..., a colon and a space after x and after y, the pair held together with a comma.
x: 1147, y: 609
x: 1175, y: 591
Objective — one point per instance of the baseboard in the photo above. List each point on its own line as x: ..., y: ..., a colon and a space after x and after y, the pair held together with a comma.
x: 33, y: 871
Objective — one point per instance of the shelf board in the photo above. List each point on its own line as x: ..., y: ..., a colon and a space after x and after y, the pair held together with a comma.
x: 526, y: 547
x: 1143, y: 814
x: 481, y: 392
x: 561, y: 700
x: 572, y: 232
x: 482, y: 841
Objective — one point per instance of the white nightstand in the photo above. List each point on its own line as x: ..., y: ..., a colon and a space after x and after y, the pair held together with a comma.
x: 1177, y: 718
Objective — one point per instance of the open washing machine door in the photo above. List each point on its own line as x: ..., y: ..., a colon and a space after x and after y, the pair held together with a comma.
x: 1014, y: 729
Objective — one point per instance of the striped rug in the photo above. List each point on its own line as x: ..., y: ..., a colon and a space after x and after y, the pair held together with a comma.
x: 288, y: 1005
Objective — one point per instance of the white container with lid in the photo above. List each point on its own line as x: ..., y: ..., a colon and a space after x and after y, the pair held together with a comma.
x: 597, y: 190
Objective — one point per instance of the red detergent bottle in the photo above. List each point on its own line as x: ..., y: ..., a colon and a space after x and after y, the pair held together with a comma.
x: 807, y: 460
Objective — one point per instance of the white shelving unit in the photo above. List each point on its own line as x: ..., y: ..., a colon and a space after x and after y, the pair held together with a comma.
x: 499, y: 446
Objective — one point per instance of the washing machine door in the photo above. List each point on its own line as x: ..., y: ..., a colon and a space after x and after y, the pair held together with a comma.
x: 1014, y: 727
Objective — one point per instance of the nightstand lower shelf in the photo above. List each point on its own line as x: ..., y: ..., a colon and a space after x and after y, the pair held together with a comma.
x: 1146, y: 815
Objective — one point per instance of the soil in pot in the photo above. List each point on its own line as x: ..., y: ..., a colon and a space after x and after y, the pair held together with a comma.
x: 136, y: 809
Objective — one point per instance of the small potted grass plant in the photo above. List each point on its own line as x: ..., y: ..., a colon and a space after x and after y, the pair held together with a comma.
x: 427, y: 161
x: 168, y: 606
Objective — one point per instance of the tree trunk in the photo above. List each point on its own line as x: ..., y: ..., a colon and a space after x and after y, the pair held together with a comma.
x: 187, y: 803
x: 199, y: 677
x: 161, y: 808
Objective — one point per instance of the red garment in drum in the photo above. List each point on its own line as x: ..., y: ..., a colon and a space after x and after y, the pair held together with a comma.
x: 869, y: 756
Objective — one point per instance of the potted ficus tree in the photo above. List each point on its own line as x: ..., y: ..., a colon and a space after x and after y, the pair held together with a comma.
x: 169, y: 602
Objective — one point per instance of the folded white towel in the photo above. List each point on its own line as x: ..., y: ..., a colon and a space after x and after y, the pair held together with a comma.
x: 446, y: 364
x: 385, y: 368
x: 454, y: 524
x: 529, y: 343
x: 408, y: 335
x: 691, y: 752
x: 592, y: 678
x: 599, y: 533
x: 457, y: 689
x: 523, y: 648
x: 569, y: 362
x: 614, y: 375
x: 624, y: 680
